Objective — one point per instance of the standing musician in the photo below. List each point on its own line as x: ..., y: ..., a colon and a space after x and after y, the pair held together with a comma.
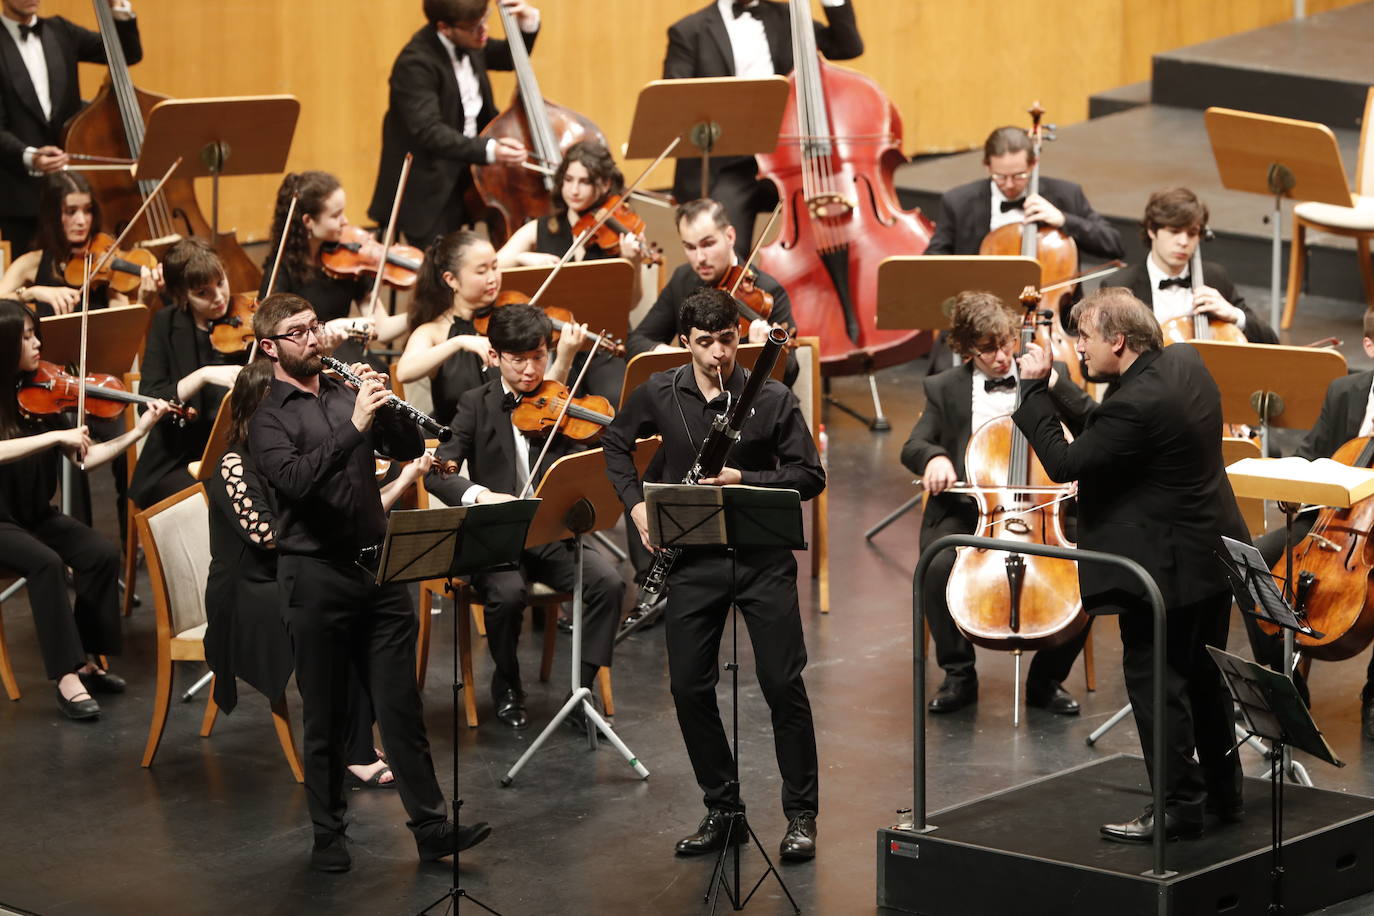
x: 39, y: 92
x: 39, y: 543
x: 1172, y: 227
x: 440, y: 100
x: 775, y: 449
x: 499, y: 458
x: 750, y: 39
x: 959, y: 400
x: 1152, y: 487
x: 313, y: 438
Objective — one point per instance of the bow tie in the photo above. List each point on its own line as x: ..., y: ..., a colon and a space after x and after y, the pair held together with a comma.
x: 26, y: 30
x: 510, y: 401
x: 1016, y: 204
x: 1181, y: 282
x: 741, y: 8
x: 1007, y: 381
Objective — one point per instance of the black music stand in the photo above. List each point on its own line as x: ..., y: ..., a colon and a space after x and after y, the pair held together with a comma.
x: 683, y: 516
x: 443, y: 543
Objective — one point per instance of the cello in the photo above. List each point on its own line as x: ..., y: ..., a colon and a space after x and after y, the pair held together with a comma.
x: 839, y: 145
x: 545, y: 128
x: 1197, y: 326
x: 112, y: 127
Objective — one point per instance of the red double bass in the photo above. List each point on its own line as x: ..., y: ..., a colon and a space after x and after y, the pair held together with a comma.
x: 839, y: 145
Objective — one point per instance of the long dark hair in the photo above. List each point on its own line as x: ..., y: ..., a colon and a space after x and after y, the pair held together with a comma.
x: 596, y: 159
x: 433, y: 296
x: 49, y: 236
x: 312, y: 189
x: 13, y: 314
x: 250, y: 387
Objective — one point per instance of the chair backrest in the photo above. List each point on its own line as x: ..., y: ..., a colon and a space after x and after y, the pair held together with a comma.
x: 807, y: 387
x: 1364, y: 164
x: 176, y: 540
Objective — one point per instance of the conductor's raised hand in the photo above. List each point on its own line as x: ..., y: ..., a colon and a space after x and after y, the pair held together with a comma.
x: 1036, y: 362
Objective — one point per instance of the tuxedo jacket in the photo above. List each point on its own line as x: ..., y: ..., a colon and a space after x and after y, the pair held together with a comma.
x: 1341, y: 416
x: 966, y: 212
x: 22, y: 123
x: 425, y: 116
x: 699, y: 46
x: 946, y: 425
x: 1136, y: 278
x: 1152, y: 484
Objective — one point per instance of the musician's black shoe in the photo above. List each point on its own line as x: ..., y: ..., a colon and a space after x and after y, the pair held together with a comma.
x: 1232, y: 812
x: 448, y: 839
x: 954, y: 694
x: 330, y: 853
x: 1367, y: 718
x: 510, y: 709
x: 1052, y: 696
x: 102, y: 681
x: 78, y: 708
x: 1142, y: 829
x: 710, y: 835
x: 799, y: 842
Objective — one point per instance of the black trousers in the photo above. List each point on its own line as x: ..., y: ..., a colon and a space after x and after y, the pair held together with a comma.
x: 506, y: 595
x: 451, y: 215
x: 341, y: 622
x: 953, y: 652
x: 66, y: 633
x: 1197, y: 706
x: 698, y: 606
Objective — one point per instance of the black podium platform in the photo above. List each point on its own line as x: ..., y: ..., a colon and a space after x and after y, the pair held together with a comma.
x: 1034, y: 849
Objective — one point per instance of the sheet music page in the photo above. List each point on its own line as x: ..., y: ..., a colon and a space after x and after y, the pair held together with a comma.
x: 685, y: 516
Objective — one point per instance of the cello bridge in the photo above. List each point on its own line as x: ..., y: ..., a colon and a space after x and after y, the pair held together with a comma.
x: 1017, y: 526
x: 829, y: 205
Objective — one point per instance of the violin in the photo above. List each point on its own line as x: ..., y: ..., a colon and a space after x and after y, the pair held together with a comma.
x: 122, y: 270
x: 752, y: 303
x: 584, y: 420
x: 559, y: 316
x: 622, y: 221
x: 357, y: 254
x: 1197, y: 326
x: 233, y: 331
x: 52, y: 390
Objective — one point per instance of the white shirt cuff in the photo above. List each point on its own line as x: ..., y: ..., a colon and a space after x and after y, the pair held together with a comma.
x: 29, y: 153
x: 1240, y: 322
x: 471, y: 493
x: 833, y: 3
x: 491, y: 151
x: 531, y: 29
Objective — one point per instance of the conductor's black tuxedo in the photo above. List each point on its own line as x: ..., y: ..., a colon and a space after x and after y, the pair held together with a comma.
x: 425, y: 117
x: 1152, y: 486
x: 1136, y: 278
x: 966, y: 213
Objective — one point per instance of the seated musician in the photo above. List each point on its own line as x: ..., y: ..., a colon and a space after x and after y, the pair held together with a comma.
x: 983, y: 333
x: 319, y: 220
x: 68, y: 218
x: 39, y: 543
x: 499, y: 458
x: 1172, y: 226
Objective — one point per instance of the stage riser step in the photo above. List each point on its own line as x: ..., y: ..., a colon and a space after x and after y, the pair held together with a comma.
x: 1195, y: 84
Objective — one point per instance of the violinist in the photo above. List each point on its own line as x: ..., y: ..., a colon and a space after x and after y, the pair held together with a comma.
x: 498, y: 460
x: 39, y: 93
x: 757, y: 43
x: 320, y: 220
x: 983, y: 333
x: 440, y: 100
x: 39, y: 543
x: 1152, y: 487
x: 1172, y: 227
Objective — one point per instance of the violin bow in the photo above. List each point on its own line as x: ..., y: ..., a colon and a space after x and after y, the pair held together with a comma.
x: 753, y: 252
x: 558, y: 423
x: 606, y: 214
x: 388, y: 234
x: 1110, y: 267
x: 133, y: 221
x: 276, y: 264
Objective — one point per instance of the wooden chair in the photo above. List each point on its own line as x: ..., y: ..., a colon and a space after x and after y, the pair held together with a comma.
x: 12, y: 585
x: 809, y: 393
x: 1355, y: 221
x: 176, y: 538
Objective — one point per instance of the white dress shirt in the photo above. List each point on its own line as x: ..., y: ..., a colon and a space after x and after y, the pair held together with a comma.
x: 998, y: 217
x: 522, y: 461
x: 989, y: 405
x: 469, y: 90
x: 748, y: 41
x: 1174, y: 302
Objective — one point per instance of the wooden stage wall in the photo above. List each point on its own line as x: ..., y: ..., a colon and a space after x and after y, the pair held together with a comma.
x: 954, y: 69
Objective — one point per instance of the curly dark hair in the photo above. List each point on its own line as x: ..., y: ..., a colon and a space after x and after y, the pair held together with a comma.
x: 444, y: 255
x: 708, y: 310
x: 311, y: 189
x: 596, y: 159
x: 979, y: 316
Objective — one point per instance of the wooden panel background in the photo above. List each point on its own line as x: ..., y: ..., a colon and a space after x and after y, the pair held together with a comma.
x: 954, y: 69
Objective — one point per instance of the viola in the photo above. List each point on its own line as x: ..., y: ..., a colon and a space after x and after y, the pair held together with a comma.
x: 122, y: 270
x: 52, y: 390
x: 357, y: 254
x: 560, y: 317
x: 622, y: 221
x: 585, y: 418
x: 1197, y: 326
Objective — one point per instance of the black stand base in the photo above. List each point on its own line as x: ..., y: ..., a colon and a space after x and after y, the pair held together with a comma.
x: 720, y: 879
x: 456, y: 896
x: 1041, y: 842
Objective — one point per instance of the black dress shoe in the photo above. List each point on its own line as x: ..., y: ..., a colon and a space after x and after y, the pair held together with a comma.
x: 799, y: 842
x: 1367, y: 718
x: 448, y: 839
x: 510, y: 709
x: 954, y: 695
x: 78, y: 708
x: 331, y: 854
x: 1229, y: 813
x: 1142, y: 829
x: 710, y: 835
x: 1051, y: 696
x: 102, y: 682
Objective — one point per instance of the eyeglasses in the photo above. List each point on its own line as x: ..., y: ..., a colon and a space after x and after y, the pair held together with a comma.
x: 297, y: 335
x: 470, y: 27
x: 1008, y: 179
x: 988, y: 351
x: 520, y: 362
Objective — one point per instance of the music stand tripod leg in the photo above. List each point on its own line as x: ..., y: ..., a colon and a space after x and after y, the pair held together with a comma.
x: 891, y: 517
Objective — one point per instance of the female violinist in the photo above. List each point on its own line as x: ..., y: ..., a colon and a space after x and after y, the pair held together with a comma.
x: 39, y: 542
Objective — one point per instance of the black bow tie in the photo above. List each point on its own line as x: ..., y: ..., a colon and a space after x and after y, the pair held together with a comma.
x: 510, y: 401
x: 1180, y: 282
x: 1016, y: 204
x: 740, y: 8
x: 26, y: 30
x: 1007, y: 381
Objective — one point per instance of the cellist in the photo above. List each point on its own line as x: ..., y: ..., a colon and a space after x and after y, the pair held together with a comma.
x: 983, y: 331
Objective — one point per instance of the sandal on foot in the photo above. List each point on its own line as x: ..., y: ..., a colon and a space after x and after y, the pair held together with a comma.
x: 375, y: 782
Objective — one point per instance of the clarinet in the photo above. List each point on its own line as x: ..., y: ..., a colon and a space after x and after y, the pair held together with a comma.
x: 404, y: 408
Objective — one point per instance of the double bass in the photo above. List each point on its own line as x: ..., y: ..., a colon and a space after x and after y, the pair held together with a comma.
x: 112, y: 127
x: 839, y: 145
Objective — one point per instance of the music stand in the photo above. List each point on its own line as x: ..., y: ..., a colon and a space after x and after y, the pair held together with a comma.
x: 243, y: 135
x: 599, y: 293
x: 682, y: 517
x: 639, y: 368
x: 719, y: 116
x: 443, y: 543
x: 115, y: 336
x: 1263, y: 154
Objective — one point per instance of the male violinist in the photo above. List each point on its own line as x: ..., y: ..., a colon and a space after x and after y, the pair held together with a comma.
x: 983, y: 331
x: 440, y: 100
x: 749, y: 39
x: 499, y: 461
x: 39, y: 92
x: 1152, y: 487
x: 1172, y: 227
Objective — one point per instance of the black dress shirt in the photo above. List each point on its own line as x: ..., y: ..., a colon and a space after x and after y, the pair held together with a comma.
x: 321, y: 467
